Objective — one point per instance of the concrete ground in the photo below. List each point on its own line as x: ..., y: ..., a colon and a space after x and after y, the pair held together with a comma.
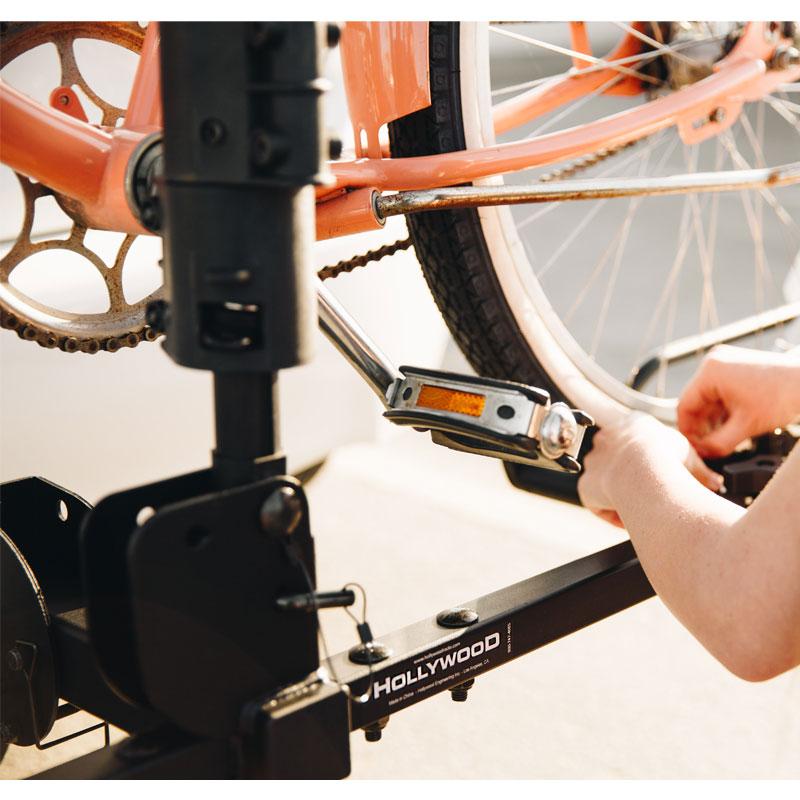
x: 635, y: 696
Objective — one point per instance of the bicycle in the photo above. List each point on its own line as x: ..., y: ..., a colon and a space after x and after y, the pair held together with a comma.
x: 678, y: 83
x: 129, y: 590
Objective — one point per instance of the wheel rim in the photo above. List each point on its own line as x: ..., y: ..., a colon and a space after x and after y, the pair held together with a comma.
x: 588, y: 380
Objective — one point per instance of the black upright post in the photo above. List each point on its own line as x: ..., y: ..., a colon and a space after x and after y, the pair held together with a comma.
x: 243, y: 144
x: 247, y: 427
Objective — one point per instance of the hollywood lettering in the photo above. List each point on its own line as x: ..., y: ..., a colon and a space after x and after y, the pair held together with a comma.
x: 436, y: 666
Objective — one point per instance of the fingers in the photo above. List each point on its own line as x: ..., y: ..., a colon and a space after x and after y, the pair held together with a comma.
x: 710, y: 479
x: 609, y: 516
x: 723, y: 439
x: 700, y: 407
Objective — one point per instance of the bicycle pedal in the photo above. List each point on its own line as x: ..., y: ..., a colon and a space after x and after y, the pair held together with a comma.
x: 502, y: 419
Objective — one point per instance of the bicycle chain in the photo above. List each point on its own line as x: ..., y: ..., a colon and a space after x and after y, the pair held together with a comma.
x: 29, y: 331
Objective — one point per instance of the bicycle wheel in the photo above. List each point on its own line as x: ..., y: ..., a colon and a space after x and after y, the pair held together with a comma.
x: 574, y: 296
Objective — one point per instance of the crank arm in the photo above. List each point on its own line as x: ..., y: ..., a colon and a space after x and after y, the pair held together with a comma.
x: 501, y: 419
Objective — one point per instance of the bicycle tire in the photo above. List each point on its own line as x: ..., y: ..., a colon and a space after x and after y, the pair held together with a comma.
x: 451, y: 246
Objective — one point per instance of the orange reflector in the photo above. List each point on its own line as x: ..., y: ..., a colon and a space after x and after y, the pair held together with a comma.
x: 442, y: 399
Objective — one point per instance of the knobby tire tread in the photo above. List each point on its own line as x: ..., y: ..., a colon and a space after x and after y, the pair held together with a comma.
x: 450, y: 245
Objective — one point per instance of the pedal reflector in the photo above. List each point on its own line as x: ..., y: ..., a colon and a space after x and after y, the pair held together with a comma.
x: 442, y: 399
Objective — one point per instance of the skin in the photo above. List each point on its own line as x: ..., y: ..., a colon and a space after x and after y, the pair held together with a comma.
x: 730, y: 575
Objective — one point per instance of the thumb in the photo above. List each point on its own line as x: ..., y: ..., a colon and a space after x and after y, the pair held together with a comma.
x: 722, y: 440
x: 710, y: 479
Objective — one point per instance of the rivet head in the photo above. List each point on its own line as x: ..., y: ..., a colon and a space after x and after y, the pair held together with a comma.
x: 457, y: 618
x: 373, y: 653
x: 14, y: 660
x: 282, y: 512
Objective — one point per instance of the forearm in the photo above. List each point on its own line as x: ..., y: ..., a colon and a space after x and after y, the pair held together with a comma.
x: 684, y: 535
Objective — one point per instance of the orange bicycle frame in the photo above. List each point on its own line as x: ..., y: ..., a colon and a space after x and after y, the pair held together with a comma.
x: 386, y: 77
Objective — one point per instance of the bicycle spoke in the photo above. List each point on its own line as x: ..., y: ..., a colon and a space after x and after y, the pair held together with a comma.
x: 780, y: 109
x: 633, y: 207
x: 562, y: 248
x: 782, y: 214
x: 672, y: 51
x: 643, y: 58
x: 672, y: 280
x: 789, y: 105
x: 600, y: 266
x: 754, y: 224
x: 575, y: 54
x: 669, y: 327
x: 790, y: 230
x: 550, y: 207
x: 708, y: 305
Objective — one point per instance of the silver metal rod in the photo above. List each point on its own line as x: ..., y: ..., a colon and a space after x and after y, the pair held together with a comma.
x: 349, y: 338
x: 688, y: 346
x: 470, y: 196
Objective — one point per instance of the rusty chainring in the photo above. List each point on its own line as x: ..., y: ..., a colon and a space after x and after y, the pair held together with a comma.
x: 122, y: 324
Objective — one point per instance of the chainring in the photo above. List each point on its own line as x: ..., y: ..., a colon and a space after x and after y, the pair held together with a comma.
x: 122, y: 324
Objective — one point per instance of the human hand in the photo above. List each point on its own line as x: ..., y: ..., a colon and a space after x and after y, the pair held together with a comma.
x: 738, y: 393
x: 619, y: 455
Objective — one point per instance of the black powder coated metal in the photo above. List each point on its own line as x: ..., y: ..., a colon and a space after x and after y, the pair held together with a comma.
x: 28, y: 693
x: 82, y: 683
x: 243, y: 142
x: 429, y: 658
x: 157, y: 755
x: 44, y: 520
x: 247, y: 428
x: 204, y: 578
x: 104, y: 547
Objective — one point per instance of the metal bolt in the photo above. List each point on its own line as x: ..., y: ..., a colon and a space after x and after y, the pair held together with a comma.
x: 14, y: 660
x: 557, y: 431
x: 333, y: 33
x: 785, y: 58
x: 457, y: 618
x: 717, y: 115
x: 212, y: 132
x: 63, y: 99
x: 266, y: 148
x: 459, y: 693
x: 157, y: 315
x: 151, y: 215
x: 335, y: 148
x: 372, y: 653
x: 261, y: 149
x: 281, y: 512
x: 374, y: 731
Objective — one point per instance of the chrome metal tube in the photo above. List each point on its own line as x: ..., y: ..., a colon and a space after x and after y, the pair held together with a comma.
x: 470, y: 196
x: 349, y: 338
x: 688, y: 346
